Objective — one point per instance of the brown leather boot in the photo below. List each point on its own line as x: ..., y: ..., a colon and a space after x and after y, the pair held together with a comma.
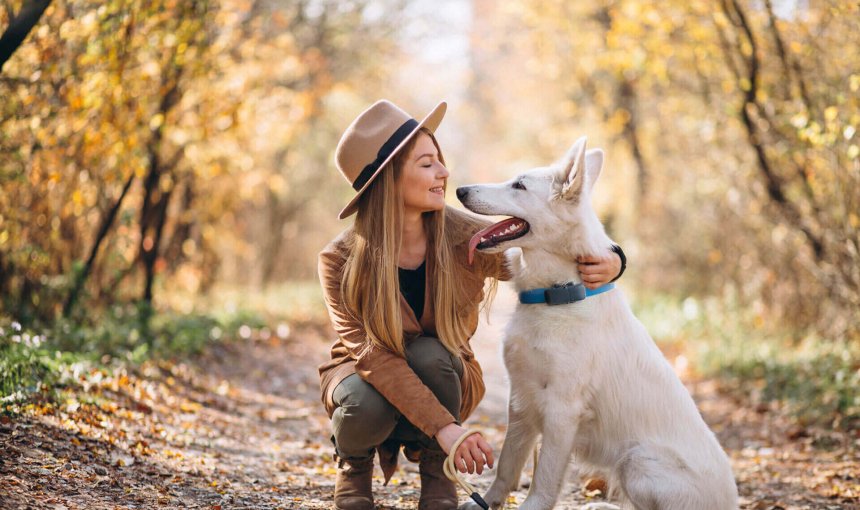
x: 437, y: 492
x: 353, y: 487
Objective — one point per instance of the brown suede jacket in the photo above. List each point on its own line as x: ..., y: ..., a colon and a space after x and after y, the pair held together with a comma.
x: 388, y: 372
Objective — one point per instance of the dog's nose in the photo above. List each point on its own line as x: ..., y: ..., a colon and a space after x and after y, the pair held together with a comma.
x: 462, y: 191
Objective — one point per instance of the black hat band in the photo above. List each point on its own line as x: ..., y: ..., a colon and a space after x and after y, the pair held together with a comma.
x: 384, y: 152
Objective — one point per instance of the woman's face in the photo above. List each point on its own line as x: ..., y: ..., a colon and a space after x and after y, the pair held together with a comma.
x: 423, y: 180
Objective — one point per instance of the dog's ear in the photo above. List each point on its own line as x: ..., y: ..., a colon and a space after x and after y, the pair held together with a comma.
x: 574, y: 170
x: 593, y: 166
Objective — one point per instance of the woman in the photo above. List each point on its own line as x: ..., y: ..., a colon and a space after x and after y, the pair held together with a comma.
x: 404, y: 302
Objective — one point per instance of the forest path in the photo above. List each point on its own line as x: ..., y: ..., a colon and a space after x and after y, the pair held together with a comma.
x: 242, y: 427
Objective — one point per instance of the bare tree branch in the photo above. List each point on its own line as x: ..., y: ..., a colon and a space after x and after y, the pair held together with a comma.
x: 787, y: 61
x: 773, y: 183
x: 19, y: 27
x: 104, y: 227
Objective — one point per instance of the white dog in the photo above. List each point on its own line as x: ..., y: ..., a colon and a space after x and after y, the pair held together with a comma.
x: 586, y: 376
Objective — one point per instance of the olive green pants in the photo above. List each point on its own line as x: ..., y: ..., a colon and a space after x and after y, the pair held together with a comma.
x: 364, y: 419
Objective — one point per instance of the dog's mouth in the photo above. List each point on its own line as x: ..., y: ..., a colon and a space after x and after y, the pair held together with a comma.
x: 505, y: 230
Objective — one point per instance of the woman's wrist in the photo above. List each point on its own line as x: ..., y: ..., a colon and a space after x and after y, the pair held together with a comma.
x: 448, y: 434
x: 618, y: 251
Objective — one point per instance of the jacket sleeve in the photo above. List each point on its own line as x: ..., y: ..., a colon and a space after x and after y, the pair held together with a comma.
x: 386, y: 371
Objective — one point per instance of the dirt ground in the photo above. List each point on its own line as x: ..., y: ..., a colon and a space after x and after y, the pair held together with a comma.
x: 242, y: 427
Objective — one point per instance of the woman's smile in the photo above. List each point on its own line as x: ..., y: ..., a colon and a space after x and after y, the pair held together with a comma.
x: 425, y: 170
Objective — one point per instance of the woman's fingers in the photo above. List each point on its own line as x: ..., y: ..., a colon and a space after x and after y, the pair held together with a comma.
x: 595, y: 274
x: 468, y: 464
x: 478, y: 455
x: 487, y: 449
x: 473, y: 454
x: 593, y: 277
x: 597, y: 279
x: 609, y: 267
x: 594, y: 268
x: 590, y: 268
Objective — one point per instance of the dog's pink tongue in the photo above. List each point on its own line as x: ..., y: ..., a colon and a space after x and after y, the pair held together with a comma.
x: 473, y: 244
x: 476, y: 239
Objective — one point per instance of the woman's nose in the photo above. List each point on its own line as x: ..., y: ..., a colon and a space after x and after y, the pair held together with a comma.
x: 443, y: 172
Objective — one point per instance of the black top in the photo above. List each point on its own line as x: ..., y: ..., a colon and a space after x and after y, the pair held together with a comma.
x: 412, y: 288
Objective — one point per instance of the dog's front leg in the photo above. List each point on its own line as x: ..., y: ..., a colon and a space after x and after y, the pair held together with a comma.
x: 520, y: 439
x: 559, y: 432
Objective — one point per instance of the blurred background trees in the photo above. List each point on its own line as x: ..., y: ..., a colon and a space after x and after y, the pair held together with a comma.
x: 169, y: 144
x: 150, y: 150
x: 167, y: 180
x: 731, y: 132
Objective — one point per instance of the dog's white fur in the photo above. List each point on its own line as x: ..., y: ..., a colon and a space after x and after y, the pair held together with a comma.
x: 587, y: 376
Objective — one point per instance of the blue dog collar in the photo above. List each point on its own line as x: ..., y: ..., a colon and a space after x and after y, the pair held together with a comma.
x: 561, y: 294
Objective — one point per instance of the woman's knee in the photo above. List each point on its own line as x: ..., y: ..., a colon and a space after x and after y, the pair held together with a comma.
x: 363, y: 418
x: 429, y: 358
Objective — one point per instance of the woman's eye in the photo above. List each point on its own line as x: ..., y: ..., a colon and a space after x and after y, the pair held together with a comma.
x: 518, y: 185
x: 428, y: 165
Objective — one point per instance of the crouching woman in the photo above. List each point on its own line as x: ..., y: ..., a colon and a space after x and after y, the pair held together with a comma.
x: 404, y: 302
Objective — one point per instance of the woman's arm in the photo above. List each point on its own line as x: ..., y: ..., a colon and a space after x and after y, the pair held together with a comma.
x: 595, y: 271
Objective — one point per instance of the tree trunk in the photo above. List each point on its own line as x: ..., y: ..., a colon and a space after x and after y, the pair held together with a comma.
x: 182, y: 232
x: 151, y: 256
x: 627, y: 100
x: 19, y: 27
x: 154, y: 210
x: 107, y: 222
x: 5, y: 273
x: 625, y: 97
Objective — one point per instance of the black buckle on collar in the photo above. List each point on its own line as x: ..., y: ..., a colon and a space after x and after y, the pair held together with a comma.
x: 564, y: 294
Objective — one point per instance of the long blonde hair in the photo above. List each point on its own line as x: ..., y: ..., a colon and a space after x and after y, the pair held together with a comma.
x: 371, y: 285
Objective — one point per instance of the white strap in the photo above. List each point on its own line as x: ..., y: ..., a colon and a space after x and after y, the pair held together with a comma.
x: 450, y: 470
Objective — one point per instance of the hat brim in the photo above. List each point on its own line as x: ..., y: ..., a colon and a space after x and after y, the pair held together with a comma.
x: 431, y: 122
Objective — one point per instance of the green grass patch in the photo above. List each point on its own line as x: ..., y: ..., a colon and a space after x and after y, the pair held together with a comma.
x: 38, y: 360
x: 26, y: 369
x: 813, y: 377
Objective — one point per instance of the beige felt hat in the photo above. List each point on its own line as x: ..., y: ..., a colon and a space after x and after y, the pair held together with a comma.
x: 372, y: 141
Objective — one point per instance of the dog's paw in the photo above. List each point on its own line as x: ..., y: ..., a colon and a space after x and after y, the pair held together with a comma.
x: 599, y: 506
x: 469, y: 505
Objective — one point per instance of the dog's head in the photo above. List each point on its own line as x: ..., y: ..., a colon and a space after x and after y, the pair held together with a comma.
x: 545, y: 205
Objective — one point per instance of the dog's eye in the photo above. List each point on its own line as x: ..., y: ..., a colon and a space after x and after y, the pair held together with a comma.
x: 518, y: 185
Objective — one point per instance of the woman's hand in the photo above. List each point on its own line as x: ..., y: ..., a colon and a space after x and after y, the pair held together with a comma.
x: 598, y: 271
x: 473, y: 452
